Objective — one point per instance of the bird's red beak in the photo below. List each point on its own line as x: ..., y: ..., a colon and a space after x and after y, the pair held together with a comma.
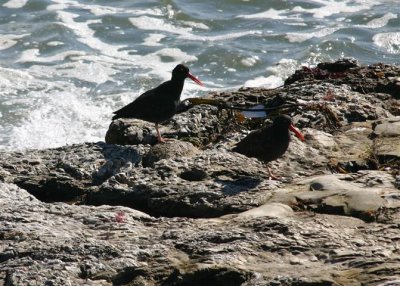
x: 192, y: 77
x: 296, y: 132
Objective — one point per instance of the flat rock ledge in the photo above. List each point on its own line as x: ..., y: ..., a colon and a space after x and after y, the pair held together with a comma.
x: 192, y: 212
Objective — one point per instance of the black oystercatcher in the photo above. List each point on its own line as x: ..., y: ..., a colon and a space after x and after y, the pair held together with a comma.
x: 159, y: 104
x: 270, y: 142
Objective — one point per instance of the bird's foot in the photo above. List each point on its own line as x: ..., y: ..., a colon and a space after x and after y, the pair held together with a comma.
x: 272, y: 176
x: 164, y: 140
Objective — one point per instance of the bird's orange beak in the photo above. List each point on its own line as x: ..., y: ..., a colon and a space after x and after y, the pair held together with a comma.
x: 192, y: 77
x: 296, y: 132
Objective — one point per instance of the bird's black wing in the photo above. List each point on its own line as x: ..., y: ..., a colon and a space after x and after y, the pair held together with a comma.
x: 263, y: 144
x: 139, y: 108
x: 250, y: 145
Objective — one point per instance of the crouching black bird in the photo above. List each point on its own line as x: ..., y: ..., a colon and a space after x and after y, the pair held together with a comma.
x: 270, y: 142
x: 159, y: 104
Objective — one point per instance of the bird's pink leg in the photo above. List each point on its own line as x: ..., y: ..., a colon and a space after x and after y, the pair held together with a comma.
x: 159, y: 138
x: 272, y: 176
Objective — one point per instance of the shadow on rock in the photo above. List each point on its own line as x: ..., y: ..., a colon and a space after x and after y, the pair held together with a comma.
x: 234, y: 187
x: 116, y: 158
x: 208, y: 276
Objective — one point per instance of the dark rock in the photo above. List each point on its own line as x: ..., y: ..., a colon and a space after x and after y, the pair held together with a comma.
x: 316, y: 186
x: 339, y: 66
x: 67, y: 173
x: 214, y: 276
x: 381, y: 78
x: 194, y: 174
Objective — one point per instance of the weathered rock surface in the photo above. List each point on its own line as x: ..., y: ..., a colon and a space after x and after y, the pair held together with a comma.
x: 199, y: 125
x: 387, y: 138
x: 192, y: 212
x: 61, y: 244
x: 382, y: 78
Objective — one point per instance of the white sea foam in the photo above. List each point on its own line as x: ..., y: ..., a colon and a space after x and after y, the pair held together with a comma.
x: 153, y: 40
x: 117, y: 52
x: 14, y: 81
x: 54, y: 43
x: 319, y: 33
x: 51, y: 113
x: 380, y: 22
x: 271, y: 81
x: 6, y: 43
x: 332, y: 7
x: 159, y: 24
x: 57, y: 119
x: 269, y: 14
x: 299, y: 24
x: 388, y: 41
x: 176, y: 54
x: 250, y: 61
x: 327, y: 8
x: 101, y: 10
x: 279, y: 72
x: 33, y: 55
x: 94, y: 72
x: 15, y: 4
x: 55, y: 113
x: 283, y: 69
x: 70, y: 116
x: 86, y: 35
x: 120, y: 53
x: 10, y: 40
x: 228, y: 36
x: 162, y: 68
x: 196, y: 25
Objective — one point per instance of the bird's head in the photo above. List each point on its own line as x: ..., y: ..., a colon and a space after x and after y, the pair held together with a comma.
x: 285, y: 122
x: 180, y: 72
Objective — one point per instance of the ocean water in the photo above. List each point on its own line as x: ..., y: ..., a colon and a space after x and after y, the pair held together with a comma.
x: 65, y: 65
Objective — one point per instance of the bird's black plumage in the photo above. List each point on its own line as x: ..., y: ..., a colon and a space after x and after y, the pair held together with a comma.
x: 158, y: 104
x: 270, y: 142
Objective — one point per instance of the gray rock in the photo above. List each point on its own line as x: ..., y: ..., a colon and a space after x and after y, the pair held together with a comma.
x: 171, y: 189
x: 386, y: 141
x: 335, y: 194
x: 81, y: 245
x: 173, y: 149
x: 199, y: 125
x: 388, y: 127
x: 131, y: 132
x: 67, y: 173
x: 269, y: 210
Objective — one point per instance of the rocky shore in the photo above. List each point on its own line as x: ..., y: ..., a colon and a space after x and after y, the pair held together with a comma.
x: 128, y: 211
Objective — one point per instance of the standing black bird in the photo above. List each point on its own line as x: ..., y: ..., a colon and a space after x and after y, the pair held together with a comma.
x: 159, y: 104
x: 270, y: 142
